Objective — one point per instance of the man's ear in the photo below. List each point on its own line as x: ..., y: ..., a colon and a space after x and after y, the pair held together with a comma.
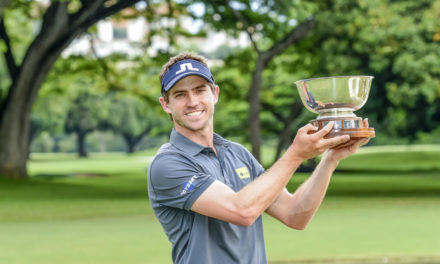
x: 216, y: 93
x: 164, y: 105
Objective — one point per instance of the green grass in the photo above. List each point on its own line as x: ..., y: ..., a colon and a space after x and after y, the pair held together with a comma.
x: 361, y: 228
x: 125, y: 239
x: 62, y: 188
x: 383, y: 203
x: 394, y: 159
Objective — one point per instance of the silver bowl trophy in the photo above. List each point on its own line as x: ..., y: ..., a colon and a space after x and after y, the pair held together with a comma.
x: 334, y: 99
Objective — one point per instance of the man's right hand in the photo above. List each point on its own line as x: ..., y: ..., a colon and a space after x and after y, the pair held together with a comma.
x: 309, y: 143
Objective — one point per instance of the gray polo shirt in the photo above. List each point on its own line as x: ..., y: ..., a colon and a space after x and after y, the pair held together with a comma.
x: 180, y: 172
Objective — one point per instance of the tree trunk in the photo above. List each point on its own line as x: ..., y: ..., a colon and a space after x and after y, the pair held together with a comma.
x: 58, y: 30
x: 16, y: 109
x: 132, y: 141
x: 295, y: 111
x: 294, y: 36
x: 254, y: 108
x: 130, y: 148
x: 81, y: 144
x: 56, y: 144
x: 14, y: 127
x: 3, y: 5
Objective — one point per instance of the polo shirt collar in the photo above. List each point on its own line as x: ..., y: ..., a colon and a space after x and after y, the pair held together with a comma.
x: 218, y: 140
x: 186, y: 145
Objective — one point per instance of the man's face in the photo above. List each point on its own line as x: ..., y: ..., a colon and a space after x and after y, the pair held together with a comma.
x: 191, y: 104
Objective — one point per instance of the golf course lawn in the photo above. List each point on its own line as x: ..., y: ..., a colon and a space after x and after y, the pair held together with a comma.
x: 96, y: 210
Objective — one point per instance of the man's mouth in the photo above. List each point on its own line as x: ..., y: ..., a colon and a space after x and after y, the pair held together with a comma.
x: 196, y: 113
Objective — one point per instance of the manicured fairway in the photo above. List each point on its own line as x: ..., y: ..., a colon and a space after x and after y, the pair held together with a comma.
x: 129, y: 239
x: 362, y: 228
x: 358, y: 229
x: 96, y: 211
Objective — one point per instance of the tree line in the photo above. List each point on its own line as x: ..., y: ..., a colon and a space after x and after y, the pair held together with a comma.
x: 397, y: 42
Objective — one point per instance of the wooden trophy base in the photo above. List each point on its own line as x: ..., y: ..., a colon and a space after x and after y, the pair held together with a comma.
x: 352, y: 126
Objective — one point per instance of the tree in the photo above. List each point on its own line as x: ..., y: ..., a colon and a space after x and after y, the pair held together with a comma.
x: 3, y: 5
x: 281, y: 109
x: 133, y: 118
x: 86, y: 113
x: 61, y: 23
x: 48, y: 114
x: 397, y: 42
x: 272, y: 27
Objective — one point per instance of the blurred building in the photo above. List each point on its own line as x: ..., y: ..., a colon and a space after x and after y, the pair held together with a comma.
x: 128, y: 37
x: 112, y: 37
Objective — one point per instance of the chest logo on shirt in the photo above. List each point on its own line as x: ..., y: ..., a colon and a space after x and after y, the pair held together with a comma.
x: 243, y: 173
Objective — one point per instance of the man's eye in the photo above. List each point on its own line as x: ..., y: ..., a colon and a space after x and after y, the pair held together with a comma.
x: 178, y: 95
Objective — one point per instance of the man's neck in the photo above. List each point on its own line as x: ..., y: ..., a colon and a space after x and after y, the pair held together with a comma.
x: 203, y: 137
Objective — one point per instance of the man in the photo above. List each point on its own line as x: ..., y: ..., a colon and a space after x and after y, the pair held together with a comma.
x: 209, y: 193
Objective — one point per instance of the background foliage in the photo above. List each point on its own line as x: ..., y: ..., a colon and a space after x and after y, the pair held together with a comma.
x: 382, y: 204
x: 396, y: 42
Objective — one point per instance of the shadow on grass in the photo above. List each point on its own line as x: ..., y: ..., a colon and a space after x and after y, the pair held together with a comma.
x: 388, y: 260
x: 381, y: 184
x: 345, y: 183
x: 397, y: 193
x: 51, y: 176
x: 390, y: 172
x: 41, y: 188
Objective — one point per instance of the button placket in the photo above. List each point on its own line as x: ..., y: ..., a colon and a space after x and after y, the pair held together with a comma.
x: 221, y: 159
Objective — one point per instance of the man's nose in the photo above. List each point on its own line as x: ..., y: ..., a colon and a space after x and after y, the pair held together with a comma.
x: 192, y: 99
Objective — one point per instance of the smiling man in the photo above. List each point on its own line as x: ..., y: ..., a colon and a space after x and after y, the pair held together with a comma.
x: 209, y: 193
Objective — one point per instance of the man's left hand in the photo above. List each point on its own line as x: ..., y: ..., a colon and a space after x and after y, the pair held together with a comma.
x: 341, y: 153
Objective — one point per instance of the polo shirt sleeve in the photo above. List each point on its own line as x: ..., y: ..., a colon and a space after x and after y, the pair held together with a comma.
x: 177, y: 181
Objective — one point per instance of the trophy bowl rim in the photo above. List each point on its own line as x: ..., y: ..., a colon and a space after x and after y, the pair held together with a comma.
x: 330, y: 77
x: 351, y: 107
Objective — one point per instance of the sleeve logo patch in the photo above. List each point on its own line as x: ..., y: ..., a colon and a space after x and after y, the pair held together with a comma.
x: 188, y: 185
x: 243, y: 173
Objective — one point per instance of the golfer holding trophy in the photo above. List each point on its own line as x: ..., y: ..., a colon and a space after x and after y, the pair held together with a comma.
x: 209, y: 193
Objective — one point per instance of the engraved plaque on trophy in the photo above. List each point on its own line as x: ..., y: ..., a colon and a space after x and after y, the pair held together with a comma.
x: 335, y: 99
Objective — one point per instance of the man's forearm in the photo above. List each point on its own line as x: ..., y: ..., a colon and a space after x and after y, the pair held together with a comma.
x: 308, y: 197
